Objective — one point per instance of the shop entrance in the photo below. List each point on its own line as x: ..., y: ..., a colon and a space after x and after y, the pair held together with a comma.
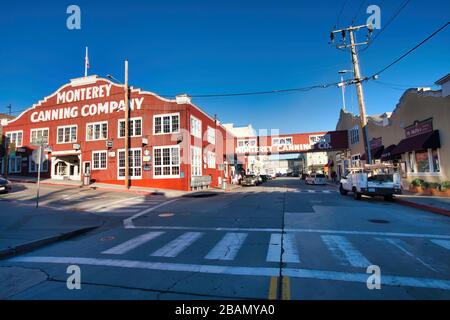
x: 66, y: 168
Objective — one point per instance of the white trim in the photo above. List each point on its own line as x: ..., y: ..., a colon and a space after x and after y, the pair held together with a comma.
x: 39, y: 129
x: 161, y: 115
x: 99, y: 159
x: 200, y: 127
x: 132, y: 135
x: 95, y: 123
x: 64, y: 127
x: 200, y: 151
x: 14, y: 131
x: 118, y: 166
x: 171, y: 176
x: 66, y: 153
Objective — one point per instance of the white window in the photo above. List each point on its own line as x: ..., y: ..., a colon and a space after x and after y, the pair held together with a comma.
x: 281, y: 141
x: 247, y: 143
x: 166, y: 123
x: 67, y: 134
x: 33, y: 166
x: 15, y: 137
x: 166, y: 162
x: 39, y: 135
x: 99, y: 160
x: 134, y: 127
x: 356, y: 160
x: 97, y: 131
x: 15, y: 165
x: 196, y: 161
x: 134, y: 163
x: 211, y: 160
x: 354, y: 135
x: 211, y: 135
x: 196, y: 127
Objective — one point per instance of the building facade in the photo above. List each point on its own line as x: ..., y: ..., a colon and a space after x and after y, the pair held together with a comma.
x: 173, y: 143
x: 416, y: 135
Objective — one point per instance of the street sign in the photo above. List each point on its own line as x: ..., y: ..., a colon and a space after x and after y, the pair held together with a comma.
x: 35, y: 157
x: 109, y: 144
x: 76, y: 146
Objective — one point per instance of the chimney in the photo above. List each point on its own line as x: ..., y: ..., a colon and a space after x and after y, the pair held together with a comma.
x: 183, y: 99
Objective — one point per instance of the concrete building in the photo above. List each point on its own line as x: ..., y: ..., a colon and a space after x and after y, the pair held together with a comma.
x: 416, y: 135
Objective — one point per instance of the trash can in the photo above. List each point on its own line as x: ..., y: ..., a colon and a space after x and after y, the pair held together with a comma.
x: 224, y: 185
x: 87, y: 180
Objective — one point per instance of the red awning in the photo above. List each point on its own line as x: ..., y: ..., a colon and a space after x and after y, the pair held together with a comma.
x: 417, y: 143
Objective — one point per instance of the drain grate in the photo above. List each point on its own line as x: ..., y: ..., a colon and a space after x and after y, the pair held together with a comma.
x: 107, y: 238
x: 379, y: 221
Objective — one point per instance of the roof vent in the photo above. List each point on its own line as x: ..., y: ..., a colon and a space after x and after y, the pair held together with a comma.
x: 183, y: 99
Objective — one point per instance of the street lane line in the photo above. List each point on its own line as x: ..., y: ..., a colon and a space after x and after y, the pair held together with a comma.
x: 273, y: 288
x: 133, y: 243
x: 128, y: 223
x: 228, y: 247
x: 175, y: 247
x: 118, y: 210
x: 291, y: 230
x: 344, y: 251
x: 401, y: 245
x: 387, y: 280
x: 286, y: 289
x: 442, y: 243
x: 289, y: 249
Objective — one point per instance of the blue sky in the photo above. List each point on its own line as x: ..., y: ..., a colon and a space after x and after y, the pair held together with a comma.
x: 210, y: 46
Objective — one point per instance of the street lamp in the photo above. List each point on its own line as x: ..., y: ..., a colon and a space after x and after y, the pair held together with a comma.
x: 127, y: 110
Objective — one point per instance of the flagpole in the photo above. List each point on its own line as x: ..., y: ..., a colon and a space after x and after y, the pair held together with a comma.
x: 86, y: 62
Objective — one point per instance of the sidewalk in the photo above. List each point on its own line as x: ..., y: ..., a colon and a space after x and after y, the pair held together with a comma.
x: 169, y: 193
x: 434, y: 204
x: 23, y: 228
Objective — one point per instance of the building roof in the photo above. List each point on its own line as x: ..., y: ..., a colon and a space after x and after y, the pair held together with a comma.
x: 6, y: 116
x: 443, y: 80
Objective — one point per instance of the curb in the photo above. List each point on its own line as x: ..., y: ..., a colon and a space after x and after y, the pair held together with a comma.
x: 30, y: 246
x: 423, y: 207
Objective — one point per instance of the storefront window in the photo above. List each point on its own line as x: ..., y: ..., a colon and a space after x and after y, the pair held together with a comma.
x: 134, y: 163
x: 166, y: 162
x: 423, y: 165
x: 435, y: 159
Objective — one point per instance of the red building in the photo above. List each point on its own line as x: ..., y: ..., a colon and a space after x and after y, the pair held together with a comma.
x: 173, y: 143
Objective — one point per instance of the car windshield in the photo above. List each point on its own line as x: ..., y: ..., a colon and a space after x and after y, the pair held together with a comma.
x: 320, y: 176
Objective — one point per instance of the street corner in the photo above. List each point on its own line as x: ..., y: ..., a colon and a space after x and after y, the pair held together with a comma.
x: 14, y: 280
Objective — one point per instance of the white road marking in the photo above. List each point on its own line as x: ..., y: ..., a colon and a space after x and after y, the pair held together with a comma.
x: 401, y: 245
x: 442, y: 243
x: 289, y: 253
x: 311, y: 191
x: 118, y: 210
x: 133, y: 243
x: 292, y: 230
x: 175, y: 247
x: 343, y: 250
x: 111, y: 204
x: 128, y: 223
x: 386, y: 280
x: 228, y: 247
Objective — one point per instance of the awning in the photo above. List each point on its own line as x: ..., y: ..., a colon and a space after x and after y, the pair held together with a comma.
x: 375, y: 152
x: 417, y: 143
x: 386, y: 154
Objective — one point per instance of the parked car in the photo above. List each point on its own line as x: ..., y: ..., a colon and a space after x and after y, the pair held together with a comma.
x: 5, y: 185
x: 265, y: 177
x: 369, y: 184
x: 316, y: 178
x: 249, y: 180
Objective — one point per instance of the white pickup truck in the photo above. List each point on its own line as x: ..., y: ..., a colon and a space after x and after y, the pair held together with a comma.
x: 371, y: 184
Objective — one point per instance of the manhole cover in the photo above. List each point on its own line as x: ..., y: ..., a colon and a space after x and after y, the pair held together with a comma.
x: 107, y: 238
x: 167, y: 214
x: 378, y: 221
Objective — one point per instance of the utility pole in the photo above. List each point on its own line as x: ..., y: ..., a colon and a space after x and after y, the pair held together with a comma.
x: 357, y: 74
x: 127, y: 98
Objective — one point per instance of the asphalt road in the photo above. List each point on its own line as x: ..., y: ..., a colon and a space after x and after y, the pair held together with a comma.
x: 280, y: 240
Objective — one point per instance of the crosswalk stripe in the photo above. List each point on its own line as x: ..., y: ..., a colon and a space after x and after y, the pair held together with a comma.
x: 228, y: 247
x: 442, y: 243
x: 133, y: 243
x: 119, y: 210
x: 401, y: 245
x: 175, y: 247
x: 290, y: 252
x: 343, y: 250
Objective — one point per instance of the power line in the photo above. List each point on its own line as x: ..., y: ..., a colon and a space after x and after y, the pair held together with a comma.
x: 340, y: 13
x: 411, y: 50
x: 395, y: 15
x: 358, y: 12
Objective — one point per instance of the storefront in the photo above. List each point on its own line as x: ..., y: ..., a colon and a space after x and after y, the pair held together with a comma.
x: 172, y: 144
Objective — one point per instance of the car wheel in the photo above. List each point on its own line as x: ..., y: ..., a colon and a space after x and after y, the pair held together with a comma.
x: 388, y: 197
x: 357, y: 195
x: 342, y: 190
